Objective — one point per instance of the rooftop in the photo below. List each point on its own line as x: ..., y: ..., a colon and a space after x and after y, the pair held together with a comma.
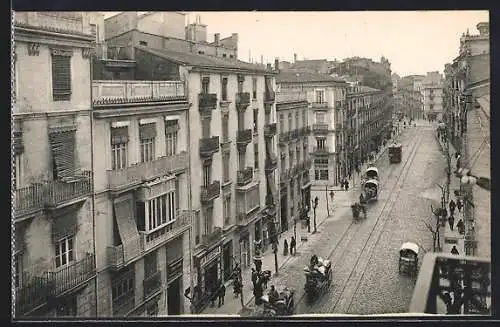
x: 204, y: 61
x: 305, y: 77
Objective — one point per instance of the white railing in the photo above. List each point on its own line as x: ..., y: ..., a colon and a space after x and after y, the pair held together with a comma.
x: 285, y: 96
x: 67, y: 21
x: 132, y: 91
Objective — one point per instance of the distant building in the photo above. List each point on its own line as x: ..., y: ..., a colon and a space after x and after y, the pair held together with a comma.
x: 432, y: 91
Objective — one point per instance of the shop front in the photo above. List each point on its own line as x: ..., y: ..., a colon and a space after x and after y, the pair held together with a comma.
x: 227, y: 259
x: 284, y: 208
x: 174, y: 270
x: 244, y: 248
x: 209, y: 270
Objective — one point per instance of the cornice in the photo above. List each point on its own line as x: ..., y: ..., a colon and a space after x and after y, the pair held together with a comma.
x: 143, y: 111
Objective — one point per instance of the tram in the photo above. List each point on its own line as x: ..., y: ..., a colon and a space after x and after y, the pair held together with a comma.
x: 395, y: 151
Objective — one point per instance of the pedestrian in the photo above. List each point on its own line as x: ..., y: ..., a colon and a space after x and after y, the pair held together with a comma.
x: 461, y: 227
x: 350, y: 174
x: 293, y: 245
x: 454, y: 250
x: 452, y: 207
x: 346, y: 185
x: 459, y: 205
x: 451, y: 221
x: 342, y: 184
x: 254, y: 277
x: 285, y: 248
x: 222, y: 293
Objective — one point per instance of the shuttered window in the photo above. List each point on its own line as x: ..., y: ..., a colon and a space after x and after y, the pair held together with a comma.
x: 62, y: 142
x: 147, y: 134
x: 61, y: 75
x: 119, y: 147
x: 171, y: 130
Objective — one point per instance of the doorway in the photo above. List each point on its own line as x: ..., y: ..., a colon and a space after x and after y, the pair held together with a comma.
x: 211, y: 277
x: 227, y: 254
x: 174, y: 297
x: 284, y: 209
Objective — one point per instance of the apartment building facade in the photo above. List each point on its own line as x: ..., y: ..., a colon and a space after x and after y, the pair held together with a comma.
x: 366, y: 123
x: 53, y: 258
x: 326, y: 98
x: 432, y: 92
x: 232, y: 120
x: 292, y: 110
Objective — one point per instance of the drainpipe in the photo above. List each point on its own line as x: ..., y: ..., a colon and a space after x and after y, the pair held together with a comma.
x: 92, y: 182
x: 190, y: 204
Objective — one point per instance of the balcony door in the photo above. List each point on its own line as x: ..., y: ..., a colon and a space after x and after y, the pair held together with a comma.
x: 174, y: 297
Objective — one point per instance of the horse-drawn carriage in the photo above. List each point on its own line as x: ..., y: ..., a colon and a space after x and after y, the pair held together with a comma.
x: 282, y: 305
x: 395, y: 151
x: 369, y: 191
x: 371, y: 173
x: 408, y: 258
x: 318, y: 277
x: 358, y: 208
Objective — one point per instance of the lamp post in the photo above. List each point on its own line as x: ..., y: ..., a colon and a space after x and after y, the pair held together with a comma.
x: 315, y: 205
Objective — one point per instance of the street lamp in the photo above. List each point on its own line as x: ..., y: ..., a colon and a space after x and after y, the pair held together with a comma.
x: 315, y: 205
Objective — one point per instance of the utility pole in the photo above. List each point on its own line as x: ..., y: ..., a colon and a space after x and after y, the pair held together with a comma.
x: 315, y: 205
x: 327, y: 204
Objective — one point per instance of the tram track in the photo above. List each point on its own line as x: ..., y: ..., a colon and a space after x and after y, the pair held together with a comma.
x: 342, y: 250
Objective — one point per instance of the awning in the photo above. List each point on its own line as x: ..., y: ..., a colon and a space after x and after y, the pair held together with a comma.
x: 124, y: 215
x: 147, y: 131
x: 62, y: 142
x: 119, y: 135
x: 65, y: 222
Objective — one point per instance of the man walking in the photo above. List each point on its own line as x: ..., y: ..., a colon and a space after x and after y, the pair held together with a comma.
x: 222, y: 293
x: 452, y: 207
x: 459, y: 205
x: 451, y: 221
x: 293, y: 245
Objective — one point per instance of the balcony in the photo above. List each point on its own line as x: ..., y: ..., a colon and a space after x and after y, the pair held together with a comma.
x: 446, y: 273
x: 32, y: 295
x: 151, y: 285
x: 209, y: 146
x: 269, y: 96
x: 208, y: 240
x: 242, y: 219
x: 207, y: 102
x: 245, y: 176
x: 150, y: 240
x: 271, y: 163
x: 73, y: 276
x: 60, y: 22
x: 290, y: 96
x: 242, y: 100
x: 211, y: 192
x: 38, y: 196
x: 270, y: 130
x: 320, y: 150
x: 145, y: 171
x: 319, y: 105
x: 243, y: 138
x: 293, y: 134
x: 108, y: 92
x: 338, y: 127
x: 320, y: 128
x: 283, y: 138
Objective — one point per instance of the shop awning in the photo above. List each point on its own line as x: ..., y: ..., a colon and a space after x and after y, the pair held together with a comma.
x: 124, y: 215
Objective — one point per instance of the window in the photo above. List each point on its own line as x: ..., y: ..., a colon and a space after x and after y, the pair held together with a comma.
x: 207, y: 175
x: 61, y: 76
x: 171, y: 128
x: 227, y: 210
x: 283, y: 163
x: 64, y: 252
x: 231, y: 56
x: 93, y: 30
x: 254, y: 88
x: 147, y: 149
x: 297, y: 119
x: 150, y: 264
x: 18, y: 173
x: 224, y: 55
x: 241, y: 80
x: 320, y: 117
x: 226, y: 163
x: 255, y: 119
x: 290, y: 123
x: 256, y: 155
x: 160, y: 211
x: 123, y: 288
x: 224, y: 89
x: 225, y: 128
x: 321, y: 169
x: 304, y: 117
x: 18, y: 280
x: 321, y: 143
x: 282, y: 123
x: 119, y: 156
x: 320, y: 96
x: 144, y: 43
x: 205, y: 83
x: 209, y: 220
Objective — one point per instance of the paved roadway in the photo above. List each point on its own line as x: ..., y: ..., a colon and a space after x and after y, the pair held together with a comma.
x: 365, y: 255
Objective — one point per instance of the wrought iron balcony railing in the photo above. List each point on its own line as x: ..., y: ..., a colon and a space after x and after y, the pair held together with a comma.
x: 467, y: 278
x: 210, y: 192
x: 320, y: 128
x: 269, y: 96
x: 245, y: 176
x: 208, y: 240
x: 51, y: 193
x: 207, y: 101
x: 242, y: 100
x: 319, y: 104
x: 144, y: 171
x: 244, y: 136
x: 209, y: 146
x: 270, y: 130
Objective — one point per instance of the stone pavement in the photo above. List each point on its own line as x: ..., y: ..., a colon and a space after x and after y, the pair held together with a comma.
x: 342, y: 200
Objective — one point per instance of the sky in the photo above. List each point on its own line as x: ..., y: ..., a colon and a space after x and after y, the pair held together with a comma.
x: 415, y: 42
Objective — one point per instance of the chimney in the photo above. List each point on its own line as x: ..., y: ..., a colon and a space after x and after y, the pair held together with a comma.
x: 294, y: 58
x: 216, y: 38
x: 277, y: 63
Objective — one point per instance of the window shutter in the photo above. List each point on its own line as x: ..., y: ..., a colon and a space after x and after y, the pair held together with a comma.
x: 119, y: 135
x: 171, y: 126
x: 62, y: 141
x: 61, y: 75
x: 147, y: 131
x: 65, y: 223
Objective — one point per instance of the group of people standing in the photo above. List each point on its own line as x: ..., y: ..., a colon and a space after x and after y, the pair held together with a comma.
x: 293, y: 246
x: 451, y: 221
